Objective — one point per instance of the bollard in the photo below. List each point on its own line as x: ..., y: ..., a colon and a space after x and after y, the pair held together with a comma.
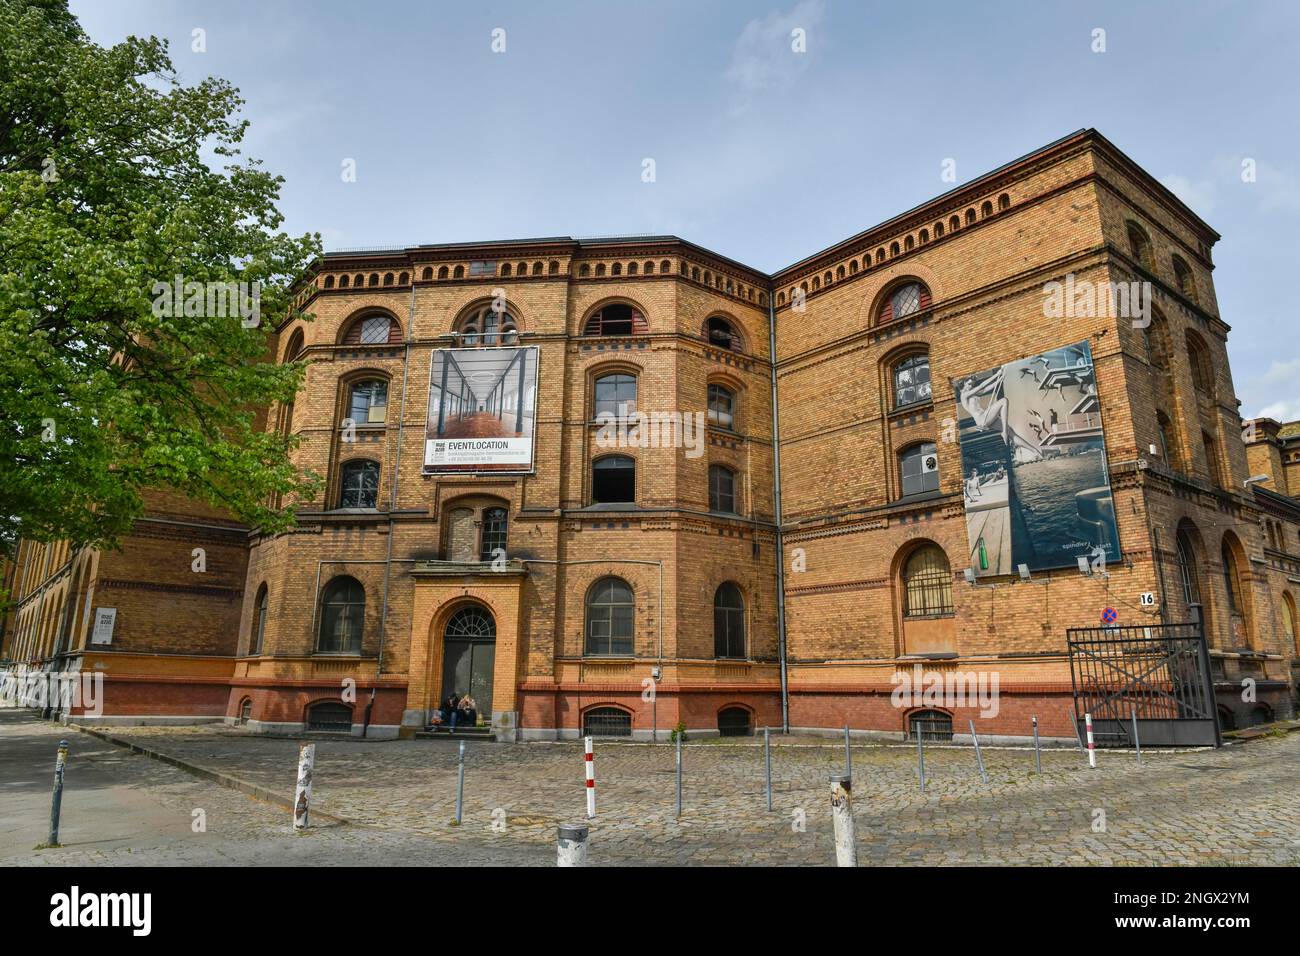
x: 1137, y: 744
x: 460, y: 782
x: 920, y: 754
x: 571, y: 844
x: 767, y: 760
x: 589, y: 760
x: 979, y: 758
x: 848, y: 754
x: 679, y: 775
x: 302, y: 795
x: 846, y: 847
x: 56, y: 803
x: 1038, y: 754
x: 1092, y: 747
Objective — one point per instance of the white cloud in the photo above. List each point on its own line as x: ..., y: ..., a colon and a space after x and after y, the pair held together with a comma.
x: 1198, y: 194
x: 1287, y: 410
x: 1280, y: 373
x: 764, y: 58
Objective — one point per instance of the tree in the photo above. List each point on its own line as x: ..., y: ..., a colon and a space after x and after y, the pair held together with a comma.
x: 109, y: 384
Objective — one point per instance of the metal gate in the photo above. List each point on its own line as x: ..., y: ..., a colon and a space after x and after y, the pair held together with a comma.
x: 1158, y: 675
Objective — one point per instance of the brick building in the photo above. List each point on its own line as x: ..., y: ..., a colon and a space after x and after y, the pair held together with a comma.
x: 635, y: 584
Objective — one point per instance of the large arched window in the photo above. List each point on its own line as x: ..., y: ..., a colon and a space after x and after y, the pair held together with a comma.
x: 1184, y: 278
x: 615, y: 395
x: 722, y: 489
x: 1168, y: 449
x: 610, y: 617
x: 342, y: 616
x: 487, y: 326
x: 918, y: 468
x: 927, y: 582
x: 904, y: 300
x: 1289, y: 626
x: 1138, y: 243
x: 1212, y: 463
x: 359, y: 485
x: 260, y: 614
x: 368, y: 402
x: 722, y: 406
x: 1232, y: 579
x: 719, y: 332
x: 295, y: 346
x: 728, y: 621
x: 616, y: 318
x: 374, y: 329
x: 1198, y: 357
x: 911, y: 380
x: 1188, y: 577
x: 613, y: 480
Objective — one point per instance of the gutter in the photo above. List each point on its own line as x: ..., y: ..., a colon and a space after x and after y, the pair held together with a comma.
x: 776, y: 507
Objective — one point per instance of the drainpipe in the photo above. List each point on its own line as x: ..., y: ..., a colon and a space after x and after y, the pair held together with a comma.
x: 776, y: 503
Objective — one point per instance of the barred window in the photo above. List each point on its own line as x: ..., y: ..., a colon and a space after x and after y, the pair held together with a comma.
x: 610, y: 612
x: 927, y: 583
x: 912, y: 380
x: 343, y: 612
x: 359, y: 487
x: 494, y: 533
x: 728, y: 621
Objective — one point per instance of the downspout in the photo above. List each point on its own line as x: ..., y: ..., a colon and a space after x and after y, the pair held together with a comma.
x: 776, y: 504
x: 392, y: 505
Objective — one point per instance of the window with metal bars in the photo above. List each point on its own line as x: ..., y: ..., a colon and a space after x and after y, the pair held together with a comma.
x: 606, y: 722
x: 927, y: 583
x: 329, y: 716
x: 930, y: 724
x: 494, y: 533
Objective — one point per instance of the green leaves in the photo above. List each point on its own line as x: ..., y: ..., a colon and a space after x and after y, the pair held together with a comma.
x: 105, y: 192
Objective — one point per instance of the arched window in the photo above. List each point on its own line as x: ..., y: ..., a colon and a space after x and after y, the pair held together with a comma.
x: 1138, y: 243
x: 722, y: 489
x: 1232, y: 579
x: 722, y: 406
x: 918, y: 468
x: 494, y: 533
x: 954, y: 223
x: 610, y: 616
x: 616, y: 318
x: 259, y: 621
x: 1183, y: 277
x: 487, y: 326
x: 375, y: 329
x: 368, y: 402
x: 970, y: 217
x: 329, y: 282
x: 720, y: 333
x: 930, y: 725
x: 1212, y: 464
x: 615, y: 395
x: 912, y: 380
x: 342, y: 616
x: 330, y: 716
x: 1004, y: 202
x: 734, y: 722
x: 1202, y: 371
x: 927, y: 583
x: 606, y: 722
x: 1289, y: 629
x: 359, y: 486
x: 1187, y: 574
x: 1168, y: 448
x: 904, y: 300
x: 613, y: 480
x: 728, y: 621
x: 986, y: 209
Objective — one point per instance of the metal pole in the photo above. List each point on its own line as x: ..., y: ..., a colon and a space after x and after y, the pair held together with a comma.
x: 571, y: 844
x: 589, y: 761
x: 848, y: 754
x: 846, y: 846
x: 920, y: 754
x: 302, y: 795
x: 767, y: 759
x: 1092, y: 747
x: 56, y: 804
x: 679, y: 775
x: 1038, y: 754
x: 460, y: 782
x: 1137, y: 744
x: 1074, y: 722
x: 979, y: 758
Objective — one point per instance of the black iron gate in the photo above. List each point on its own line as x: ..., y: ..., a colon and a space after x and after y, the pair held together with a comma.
x: 1157, y: 674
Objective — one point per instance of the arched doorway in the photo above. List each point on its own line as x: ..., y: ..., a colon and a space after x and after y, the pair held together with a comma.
x: 469, y: 654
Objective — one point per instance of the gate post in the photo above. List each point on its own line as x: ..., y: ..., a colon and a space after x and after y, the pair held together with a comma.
x: 1203, y: 653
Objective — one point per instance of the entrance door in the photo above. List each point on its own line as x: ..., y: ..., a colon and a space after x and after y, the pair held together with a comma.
x: 469, y: 644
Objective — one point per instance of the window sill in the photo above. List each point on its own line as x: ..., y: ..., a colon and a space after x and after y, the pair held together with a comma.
x: 912, y: 408
x: 918, y: 496
x: 947, y: 615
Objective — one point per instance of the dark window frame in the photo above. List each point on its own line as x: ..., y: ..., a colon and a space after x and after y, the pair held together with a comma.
x: 609, y: 619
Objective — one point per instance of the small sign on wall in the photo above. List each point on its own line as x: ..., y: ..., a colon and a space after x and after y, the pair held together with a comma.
x: 105, y: 618
x: 1148, y: 599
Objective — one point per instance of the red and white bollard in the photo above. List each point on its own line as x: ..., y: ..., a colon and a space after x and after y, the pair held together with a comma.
x: 1092, y: 747
x: 590, y: 762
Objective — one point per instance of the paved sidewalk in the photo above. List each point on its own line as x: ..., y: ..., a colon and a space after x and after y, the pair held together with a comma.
x: 1239, y: 805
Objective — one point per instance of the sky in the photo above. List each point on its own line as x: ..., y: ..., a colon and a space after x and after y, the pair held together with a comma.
x: 511, y: 120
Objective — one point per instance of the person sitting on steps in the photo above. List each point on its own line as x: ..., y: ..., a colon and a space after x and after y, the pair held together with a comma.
x: 468, y: 711
x: 450, y: 707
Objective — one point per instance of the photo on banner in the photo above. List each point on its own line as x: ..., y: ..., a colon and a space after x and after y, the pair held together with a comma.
x: 482, y: 410
x: 1035, y: 483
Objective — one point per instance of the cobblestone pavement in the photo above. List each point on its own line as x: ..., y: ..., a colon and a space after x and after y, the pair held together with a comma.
x: 1239, y: 805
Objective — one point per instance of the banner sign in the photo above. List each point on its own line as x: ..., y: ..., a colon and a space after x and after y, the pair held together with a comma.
x: 1035, y: 483
x: 482, y: 410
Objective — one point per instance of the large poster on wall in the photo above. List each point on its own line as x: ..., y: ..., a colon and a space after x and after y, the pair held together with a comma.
x: 1035, y: 483
x: 482, y: 410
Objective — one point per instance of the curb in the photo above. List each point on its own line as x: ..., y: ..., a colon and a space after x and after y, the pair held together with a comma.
x: 265, y: 794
